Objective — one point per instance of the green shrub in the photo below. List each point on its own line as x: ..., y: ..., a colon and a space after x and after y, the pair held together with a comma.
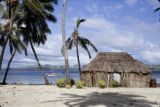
x: 60, y: 83
x: 115, y: 83
x: 79, y: 84
x: 102, y: 83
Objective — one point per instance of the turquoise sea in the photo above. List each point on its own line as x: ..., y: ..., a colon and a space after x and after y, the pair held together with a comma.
x: 35, y: 77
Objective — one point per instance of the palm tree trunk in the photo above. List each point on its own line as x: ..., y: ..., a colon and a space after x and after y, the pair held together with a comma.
x: 2, y: 52
x: 10, y: 30
x: 35, y: 54
x: 64, y: 43
x: 77, y: 52
x: 8, y: 66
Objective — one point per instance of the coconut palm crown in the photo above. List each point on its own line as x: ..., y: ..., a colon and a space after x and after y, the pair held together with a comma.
x: 77, y: 40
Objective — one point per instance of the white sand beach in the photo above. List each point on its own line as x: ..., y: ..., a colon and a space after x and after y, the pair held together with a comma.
x: 51, y: 96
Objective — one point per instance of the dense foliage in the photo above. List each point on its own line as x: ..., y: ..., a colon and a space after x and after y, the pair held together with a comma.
x: 60, y: 83
x: 25, y: 22
x: 115, y: 83
x: 102, y: 83
x: 80, y: 84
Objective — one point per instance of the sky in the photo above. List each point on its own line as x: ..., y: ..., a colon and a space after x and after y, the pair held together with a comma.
x: 112, y: 26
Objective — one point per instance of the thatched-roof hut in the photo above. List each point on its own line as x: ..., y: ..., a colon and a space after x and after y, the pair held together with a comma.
x: 132, y: 73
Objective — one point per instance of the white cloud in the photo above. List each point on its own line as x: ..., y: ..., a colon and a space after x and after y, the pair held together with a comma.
x: 142, y: 9
x: 154, y: 3
x: 50, y: 47
x: 151, y: 56
x: 29, y: 60
x: 70, y: 9
x: 99, y: 24
x: 134, y: 37
x: 112, y: 8
x: 93, y: 8
x: 131, y: 2
x: 110, y: 34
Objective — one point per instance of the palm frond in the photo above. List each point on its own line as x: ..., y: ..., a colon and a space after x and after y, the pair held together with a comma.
x: 69, y: 44
x: 157, y: 9
x: 2, y: 39
x: 5, y: 14
x: 79, y: 21
x: 83, y: 45
x: 16, y: 44
x: 88, y: 42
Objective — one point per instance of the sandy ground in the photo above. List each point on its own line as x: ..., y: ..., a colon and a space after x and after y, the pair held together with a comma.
x: 51, y: 96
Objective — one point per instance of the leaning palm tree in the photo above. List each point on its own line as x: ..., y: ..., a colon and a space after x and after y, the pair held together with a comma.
x: 77, y: 40
x: 32, y: 19
x: 64, y: 43
x: 13, y: 38
x: 35, y: 16
x: 16, y: 45
x: 10, y: 6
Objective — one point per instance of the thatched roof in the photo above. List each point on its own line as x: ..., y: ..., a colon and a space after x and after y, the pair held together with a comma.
x: 116, y: 62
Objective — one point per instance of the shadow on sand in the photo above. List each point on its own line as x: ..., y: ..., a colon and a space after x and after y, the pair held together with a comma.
x: 104, y: 100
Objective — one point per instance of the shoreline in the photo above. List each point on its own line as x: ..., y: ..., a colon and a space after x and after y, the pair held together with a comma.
x: 157, y: 85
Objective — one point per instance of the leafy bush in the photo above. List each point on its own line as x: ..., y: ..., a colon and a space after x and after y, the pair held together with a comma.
x: 60, y: 83
x: 79, y: 84
x: 102, y: 83
x: 115, y: 83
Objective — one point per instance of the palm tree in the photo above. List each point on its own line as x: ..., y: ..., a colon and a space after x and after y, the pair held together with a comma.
x: 13, y: 37
x: 16, y: 45
x: 10, y: 4
x: 77, y: 40
x: 65, y: 54
x: 32, y: 19
x: 35, y: 16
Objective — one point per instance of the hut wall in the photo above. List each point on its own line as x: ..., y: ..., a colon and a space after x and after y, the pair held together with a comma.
x: 136, y: 80
x: 127, y: 79
x: 109, y: 80
x: 99, y: 76
x: 91, y: 78
x: 86, y: 78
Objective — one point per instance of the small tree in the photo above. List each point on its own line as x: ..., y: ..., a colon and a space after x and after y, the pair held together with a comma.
x: 77, y: 40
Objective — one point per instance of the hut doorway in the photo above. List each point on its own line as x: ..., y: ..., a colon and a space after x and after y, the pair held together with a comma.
x: 116, y: 77
x: 93, y: 80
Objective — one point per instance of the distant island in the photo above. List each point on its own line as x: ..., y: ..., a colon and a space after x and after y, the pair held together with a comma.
x: 153, y: 67
x: 45, y: 67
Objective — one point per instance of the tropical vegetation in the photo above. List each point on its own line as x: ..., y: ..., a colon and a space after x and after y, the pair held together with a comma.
x: 26, y: 25
x: 115, y: 83
x: 80, y: 84
x: 77, y: 40
x: 60, y: 83
x: 102, y: 83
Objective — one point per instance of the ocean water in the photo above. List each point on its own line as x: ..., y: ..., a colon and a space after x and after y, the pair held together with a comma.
x: 156, y: 75
x: 35, y: 76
